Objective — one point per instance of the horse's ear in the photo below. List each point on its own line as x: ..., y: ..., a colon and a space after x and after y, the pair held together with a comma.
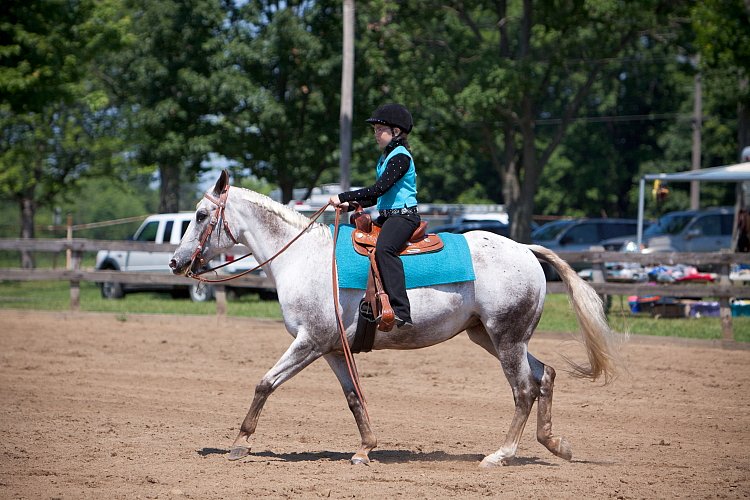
x: 222, y: 183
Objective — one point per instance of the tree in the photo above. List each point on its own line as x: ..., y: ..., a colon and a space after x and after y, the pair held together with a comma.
x: 722, y: 30
x: 636, y: 123
x: 166, y: 86
x: 54, y: 121
x: 500, y: 67
x: 281, y: 91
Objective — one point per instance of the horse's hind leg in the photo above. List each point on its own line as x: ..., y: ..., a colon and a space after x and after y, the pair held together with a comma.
x: 338, y: 365
x: 525, y: 391
x: 556, y: 444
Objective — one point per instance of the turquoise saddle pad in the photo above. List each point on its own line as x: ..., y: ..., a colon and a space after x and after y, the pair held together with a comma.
x: 450, y: 265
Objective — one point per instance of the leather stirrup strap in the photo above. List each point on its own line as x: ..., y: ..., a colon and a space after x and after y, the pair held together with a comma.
x: 382, y: 305
x: 350, y: 364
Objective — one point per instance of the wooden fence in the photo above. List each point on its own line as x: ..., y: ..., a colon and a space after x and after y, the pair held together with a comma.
x: 75, y: 274
x: 723, y: 289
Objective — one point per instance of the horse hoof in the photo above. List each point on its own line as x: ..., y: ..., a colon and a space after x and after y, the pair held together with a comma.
x: 360, y: 460
x: 564, y: 450
x: 490, y: 461
x: 239, y: 452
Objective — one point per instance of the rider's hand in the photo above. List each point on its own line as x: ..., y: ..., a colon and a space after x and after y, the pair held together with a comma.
x: 336, y: 202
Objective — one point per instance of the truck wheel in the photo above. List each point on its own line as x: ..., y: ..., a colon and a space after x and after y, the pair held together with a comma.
x: 112, y: 290
x: 201, y: 292
x: 268, y: 295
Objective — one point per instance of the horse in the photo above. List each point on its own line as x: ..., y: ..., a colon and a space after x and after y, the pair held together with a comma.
x: 499, y: 310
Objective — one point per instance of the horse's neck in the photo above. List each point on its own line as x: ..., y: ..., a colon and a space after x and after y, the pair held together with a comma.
x: 265, y: 232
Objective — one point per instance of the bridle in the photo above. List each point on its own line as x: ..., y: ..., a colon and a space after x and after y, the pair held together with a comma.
x: 219, y: 215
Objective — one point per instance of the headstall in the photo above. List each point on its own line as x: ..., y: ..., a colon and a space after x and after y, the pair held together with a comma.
x: 217, y: 216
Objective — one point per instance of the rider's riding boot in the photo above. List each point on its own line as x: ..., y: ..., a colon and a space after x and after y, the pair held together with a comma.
x: 404, y: 325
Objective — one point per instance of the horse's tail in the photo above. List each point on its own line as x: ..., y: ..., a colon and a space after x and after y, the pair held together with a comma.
x: 598, y: 338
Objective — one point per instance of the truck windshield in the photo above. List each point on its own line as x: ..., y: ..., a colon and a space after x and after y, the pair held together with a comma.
x: 148, y: 233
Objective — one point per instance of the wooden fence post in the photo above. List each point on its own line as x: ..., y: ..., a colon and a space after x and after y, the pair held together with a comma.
x: 74, y: 263
x: 220, y: 294
x: 69, y: 252
x: 75, y: 295
x: 725, y: 309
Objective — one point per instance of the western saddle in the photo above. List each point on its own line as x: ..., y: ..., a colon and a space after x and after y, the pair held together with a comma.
x: 375, y: 308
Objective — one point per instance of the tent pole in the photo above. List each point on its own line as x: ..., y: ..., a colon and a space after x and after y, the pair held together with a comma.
x: 641, y: 202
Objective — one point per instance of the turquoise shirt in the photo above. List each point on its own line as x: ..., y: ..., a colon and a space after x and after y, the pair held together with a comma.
x: 404, y: 192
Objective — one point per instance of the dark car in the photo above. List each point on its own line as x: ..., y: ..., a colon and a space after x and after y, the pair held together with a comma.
x: 579, y: 235
x: 492, y: 226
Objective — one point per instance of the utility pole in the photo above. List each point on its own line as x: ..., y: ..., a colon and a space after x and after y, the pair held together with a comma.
x: 347, y: 84
x: 695, y: 194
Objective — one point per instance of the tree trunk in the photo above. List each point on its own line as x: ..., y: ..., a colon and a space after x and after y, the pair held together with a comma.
x: 169, y: 192
x: 523, y: 208
x: 28, y: 210
x: 287, y: 191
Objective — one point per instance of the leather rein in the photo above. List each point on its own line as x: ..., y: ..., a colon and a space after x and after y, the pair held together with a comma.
x: 219, y: 215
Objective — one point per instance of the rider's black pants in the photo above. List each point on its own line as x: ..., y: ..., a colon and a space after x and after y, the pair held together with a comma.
x: 394, y: 234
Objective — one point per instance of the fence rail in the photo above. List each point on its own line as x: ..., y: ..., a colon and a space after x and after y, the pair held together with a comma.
x: 724, y: 289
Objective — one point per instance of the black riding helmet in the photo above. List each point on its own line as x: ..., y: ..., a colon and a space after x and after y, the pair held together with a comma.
x: 393, y: 115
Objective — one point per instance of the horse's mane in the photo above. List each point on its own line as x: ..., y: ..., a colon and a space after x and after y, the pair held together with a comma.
x: 289, y: 215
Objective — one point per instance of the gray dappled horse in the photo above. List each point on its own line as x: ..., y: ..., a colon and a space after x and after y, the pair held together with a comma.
x: 499, y: 310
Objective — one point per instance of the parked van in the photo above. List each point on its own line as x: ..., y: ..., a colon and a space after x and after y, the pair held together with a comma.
x: 162, y: 228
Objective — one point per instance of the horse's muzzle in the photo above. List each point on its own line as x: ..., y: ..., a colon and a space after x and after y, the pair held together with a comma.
x: 177, y: 269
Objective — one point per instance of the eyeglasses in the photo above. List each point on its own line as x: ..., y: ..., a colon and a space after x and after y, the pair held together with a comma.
x: 377, y: 130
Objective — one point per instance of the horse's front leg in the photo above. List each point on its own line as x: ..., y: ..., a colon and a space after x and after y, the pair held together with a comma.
x: 338, y: 365
x: 300, y: 354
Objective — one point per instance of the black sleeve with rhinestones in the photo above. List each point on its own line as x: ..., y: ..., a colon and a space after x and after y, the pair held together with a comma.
x: 396, y: 168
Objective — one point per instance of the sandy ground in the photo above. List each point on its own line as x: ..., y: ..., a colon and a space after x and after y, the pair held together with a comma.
x: 108, y: 406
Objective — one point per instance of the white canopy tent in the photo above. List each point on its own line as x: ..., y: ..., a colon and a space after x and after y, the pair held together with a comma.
x: 728, y: 173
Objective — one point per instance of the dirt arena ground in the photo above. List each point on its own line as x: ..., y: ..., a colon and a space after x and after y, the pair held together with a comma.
x: 108, y: 406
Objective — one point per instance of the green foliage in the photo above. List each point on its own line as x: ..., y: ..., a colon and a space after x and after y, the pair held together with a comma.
x: 555, y: 110
x: 722, y: 30
x: 166, y: 87
x: 56, y: 126
x: 281, y: 91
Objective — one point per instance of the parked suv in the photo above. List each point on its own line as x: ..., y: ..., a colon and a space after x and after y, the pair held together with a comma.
x: 708, y: 230
x: 161, y: 228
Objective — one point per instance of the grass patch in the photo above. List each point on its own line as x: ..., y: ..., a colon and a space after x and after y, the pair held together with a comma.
x: 55, y: 296
x: 557, y: 316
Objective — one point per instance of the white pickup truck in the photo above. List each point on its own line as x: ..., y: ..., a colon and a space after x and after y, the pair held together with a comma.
x: 164, y: 228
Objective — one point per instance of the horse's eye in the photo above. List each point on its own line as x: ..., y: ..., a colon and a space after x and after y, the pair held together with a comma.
x: 200, y: 216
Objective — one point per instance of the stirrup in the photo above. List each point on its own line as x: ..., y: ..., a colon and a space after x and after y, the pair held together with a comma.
x: 365, y: 310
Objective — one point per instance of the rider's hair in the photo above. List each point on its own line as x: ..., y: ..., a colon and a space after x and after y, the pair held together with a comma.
x: 402, y: 139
